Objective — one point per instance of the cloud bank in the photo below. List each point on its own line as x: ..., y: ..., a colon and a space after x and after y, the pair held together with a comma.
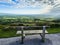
x: 42, y: 6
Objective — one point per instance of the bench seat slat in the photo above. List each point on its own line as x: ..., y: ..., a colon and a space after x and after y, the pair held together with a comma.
x: 31, y: 31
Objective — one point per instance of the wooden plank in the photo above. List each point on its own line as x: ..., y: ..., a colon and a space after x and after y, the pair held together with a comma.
x: 31, y: 31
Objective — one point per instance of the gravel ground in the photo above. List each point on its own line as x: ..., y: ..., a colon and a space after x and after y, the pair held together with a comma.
x: 51, y: 39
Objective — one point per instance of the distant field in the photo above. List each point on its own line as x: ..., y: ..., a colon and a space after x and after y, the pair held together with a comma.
x: 6, y: 21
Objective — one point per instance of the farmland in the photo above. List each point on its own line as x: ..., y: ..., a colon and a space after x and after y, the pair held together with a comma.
x: 6, y: 21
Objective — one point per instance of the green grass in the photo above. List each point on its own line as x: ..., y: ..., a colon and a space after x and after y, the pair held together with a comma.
x: 53, y: 30
x: 12, y: 33
x: 9, y: 33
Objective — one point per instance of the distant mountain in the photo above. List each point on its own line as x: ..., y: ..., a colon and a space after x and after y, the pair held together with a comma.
x: 38, y: 16
x: 2, y: 14
x: 57, y: 17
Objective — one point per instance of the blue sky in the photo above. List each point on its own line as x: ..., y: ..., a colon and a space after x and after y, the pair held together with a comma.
x: 20, y: 7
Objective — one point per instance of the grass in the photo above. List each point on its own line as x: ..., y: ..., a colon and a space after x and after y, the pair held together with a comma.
x: 9, y: 33
x: 53, y: 30
x: 12, y: 33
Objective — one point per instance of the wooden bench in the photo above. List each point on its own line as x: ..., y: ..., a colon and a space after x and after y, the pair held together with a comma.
x: 24, y: 32
x: 31, y: 32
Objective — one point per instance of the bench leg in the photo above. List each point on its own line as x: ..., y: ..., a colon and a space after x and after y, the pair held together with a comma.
x: 43, y: 37
x: 22, y: 38
x: 43, y: 34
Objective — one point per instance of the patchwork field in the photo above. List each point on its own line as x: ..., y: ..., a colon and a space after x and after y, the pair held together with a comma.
x: 6, y: 23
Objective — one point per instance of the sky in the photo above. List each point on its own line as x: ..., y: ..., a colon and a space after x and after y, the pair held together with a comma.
x: 30, y: 7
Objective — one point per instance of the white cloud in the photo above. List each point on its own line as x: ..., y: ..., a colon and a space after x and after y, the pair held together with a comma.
x: 8, y: 1
x: 45, y: 9
x: 27, y: 3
